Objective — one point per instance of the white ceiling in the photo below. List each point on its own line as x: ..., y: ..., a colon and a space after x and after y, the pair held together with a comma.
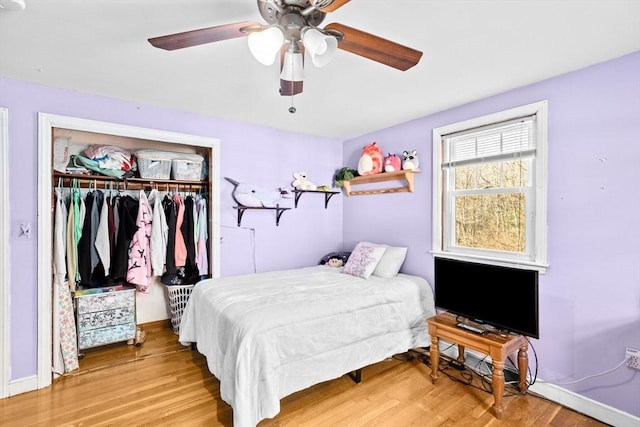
x: 472, y: 49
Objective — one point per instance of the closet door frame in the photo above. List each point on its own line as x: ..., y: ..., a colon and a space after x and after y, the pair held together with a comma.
x: 46, y: 124
x: 4, y: 253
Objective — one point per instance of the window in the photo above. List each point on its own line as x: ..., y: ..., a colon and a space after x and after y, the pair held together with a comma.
x: 489, y: 177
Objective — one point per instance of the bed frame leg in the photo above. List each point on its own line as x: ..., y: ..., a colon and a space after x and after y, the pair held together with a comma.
x: 356, y: 376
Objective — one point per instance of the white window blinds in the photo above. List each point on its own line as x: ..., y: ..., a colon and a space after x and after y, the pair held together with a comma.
x: 512, y: 139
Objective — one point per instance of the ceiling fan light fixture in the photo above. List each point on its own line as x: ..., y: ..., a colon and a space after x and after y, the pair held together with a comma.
x: 292, y: 67
x: 321, y: 47
x: 265, y: 44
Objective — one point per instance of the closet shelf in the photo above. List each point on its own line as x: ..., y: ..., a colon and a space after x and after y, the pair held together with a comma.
x: 241, y: 209
x: 402, y: 175
x: 129, y: 183
x: 327, y: 195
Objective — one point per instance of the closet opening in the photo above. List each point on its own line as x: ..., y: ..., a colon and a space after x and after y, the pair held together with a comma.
x: 110, y: 298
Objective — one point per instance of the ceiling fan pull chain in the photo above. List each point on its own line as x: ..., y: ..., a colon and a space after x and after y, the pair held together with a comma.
x: 292, y: 109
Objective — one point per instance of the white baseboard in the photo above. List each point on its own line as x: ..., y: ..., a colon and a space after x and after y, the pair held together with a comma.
x: 23, y: 385
x: 584, y: 405
x: 557, y: 394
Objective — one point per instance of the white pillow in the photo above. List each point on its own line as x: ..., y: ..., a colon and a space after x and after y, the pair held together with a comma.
x: 391, y: 261
x: 364, y: 259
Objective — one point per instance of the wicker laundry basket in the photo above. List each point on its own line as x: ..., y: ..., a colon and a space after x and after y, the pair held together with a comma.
x: 178, y: 297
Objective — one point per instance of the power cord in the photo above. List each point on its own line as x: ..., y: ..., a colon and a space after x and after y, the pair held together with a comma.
x: 461, y: 373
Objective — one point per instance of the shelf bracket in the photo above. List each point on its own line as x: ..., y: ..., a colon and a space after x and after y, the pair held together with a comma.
x: 241, y: 210
x: 240, y: 213
x: 279, y: 212
x: 327, y: 196
x: 296, y: 197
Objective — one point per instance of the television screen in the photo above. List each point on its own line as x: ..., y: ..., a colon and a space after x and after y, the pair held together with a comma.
x: 503, y: 297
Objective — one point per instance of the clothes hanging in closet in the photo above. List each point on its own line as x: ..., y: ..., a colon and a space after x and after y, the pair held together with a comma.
x: 159, y: 234
x: 103, y: 239
x: 127, y: 215
x: 90, y: 267
x: 181, y: 267
x: 170, y: 276
x: 202, y: 225
x: 65, y: 350
x: 139, y: 266
x: 112, y: 239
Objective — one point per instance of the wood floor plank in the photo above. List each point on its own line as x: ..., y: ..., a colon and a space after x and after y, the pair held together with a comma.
x: 163, y: 383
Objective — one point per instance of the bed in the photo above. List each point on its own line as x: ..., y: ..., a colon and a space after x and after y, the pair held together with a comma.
x: 268, y: 335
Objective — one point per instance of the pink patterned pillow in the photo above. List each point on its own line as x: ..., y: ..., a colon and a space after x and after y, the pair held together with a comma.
x: 364, y: 259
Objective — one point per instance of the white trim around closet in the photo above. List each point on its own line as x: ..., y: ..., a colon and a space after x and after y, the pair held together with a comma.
x: 46, y: 124
x: 4, y: 253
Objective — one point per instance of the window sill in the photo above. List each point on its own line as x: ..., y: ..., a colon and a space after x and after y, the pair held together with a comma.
x: 525, y: 265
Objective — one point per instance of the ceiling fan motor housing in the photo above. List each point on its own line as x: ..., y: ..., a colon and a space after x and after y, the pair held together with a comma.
x: 273, y: 11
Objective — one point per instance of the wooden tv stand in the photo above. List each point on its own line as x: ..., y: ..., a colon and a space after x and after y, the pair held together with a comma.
x: 496, y: 346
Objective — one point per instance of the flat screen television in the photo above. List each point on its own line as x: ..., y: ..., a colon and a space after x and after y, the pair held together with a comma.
x: 505, y: 298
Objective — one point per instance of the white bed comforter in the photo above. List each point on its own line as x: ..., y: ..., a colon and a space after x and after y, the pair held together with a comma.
x: 268, y: 335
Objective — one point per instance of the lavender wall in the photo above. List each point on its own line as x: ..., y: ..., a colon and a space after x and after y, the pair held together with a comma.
x: 248, y: 153
x: 590, y: 295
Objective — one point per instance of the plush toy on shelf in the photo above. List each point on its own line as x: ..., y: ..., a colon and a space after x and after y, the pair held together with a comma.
x: 410, y: 160
x: 252, y: 196
x: 392, y: 163
x: 371, y: 160
x: 301, y: 182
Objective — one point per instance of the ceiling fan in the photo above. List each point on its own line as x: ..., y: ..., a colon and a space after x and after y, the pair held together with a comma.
x: 293, y: 30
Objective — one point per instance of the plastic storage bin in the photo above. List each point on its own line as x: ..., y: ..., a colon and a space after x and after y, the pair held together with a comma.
x: 187, y: 167
x: 178, y: 297
x: 154, y: 164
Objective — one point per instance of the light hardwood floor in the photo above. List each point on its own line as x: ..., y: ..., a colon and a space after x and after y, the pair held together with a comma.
x: 163, y: 383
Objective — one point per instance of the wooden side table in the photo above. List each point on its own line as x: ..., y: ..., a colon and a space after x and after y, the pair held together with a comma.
x: 443, y: 326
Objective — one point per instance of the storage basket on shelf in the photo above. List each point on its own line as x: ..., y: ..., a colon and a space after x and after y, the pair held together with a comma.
x: 154, y: 164
x: 187, y: 167
x: 178, y: 297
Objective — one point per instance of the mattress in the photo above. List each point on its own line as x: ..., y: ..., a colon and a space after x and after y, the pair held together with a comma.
x: 268, y: 335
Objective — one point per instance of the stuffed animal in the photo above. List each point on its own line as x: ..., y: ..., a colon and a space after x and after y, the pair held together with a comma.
x: 335, y: 259
x: 371, y: 160
x: 335, y: 262
x: 392, y: 163
x: 410, y: 160
x: 252, y: 196
x: 301, y: 183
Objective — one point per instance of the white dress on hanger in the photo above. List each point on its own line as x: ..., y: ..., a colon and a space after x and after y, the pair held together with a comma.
x: 65, y: 347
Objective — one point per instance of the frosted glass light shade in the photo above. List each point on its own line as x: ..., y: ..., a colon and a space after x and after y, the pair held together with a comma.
x: 321, y: 47
x: 292, y: 67
x: 265, y: 44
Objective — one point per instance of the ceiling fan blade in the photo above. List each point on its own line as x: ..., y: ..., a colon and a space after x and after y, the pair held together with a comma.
x: 335, y: 4
x: 201, y: 36
x: 376, y: 48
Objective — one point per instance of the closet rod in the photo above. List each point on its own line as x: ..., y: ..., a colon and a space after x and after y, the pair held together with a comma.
x: 131, y: 183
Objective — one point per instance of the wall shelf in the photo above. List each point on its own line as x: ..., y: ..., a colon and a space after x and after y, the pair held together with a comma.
x: 403, y: 175
x: 241, y: 210
x: 327, y: 195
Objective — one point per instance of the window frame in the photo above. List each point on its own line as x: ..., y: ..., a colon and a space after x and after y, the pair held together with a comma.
x: 536, y: 256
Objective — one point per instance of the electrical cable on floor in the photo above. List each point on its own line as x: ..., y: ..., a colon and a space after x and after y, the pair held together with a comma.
x: 464, y: 374
x: 608, y: 371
